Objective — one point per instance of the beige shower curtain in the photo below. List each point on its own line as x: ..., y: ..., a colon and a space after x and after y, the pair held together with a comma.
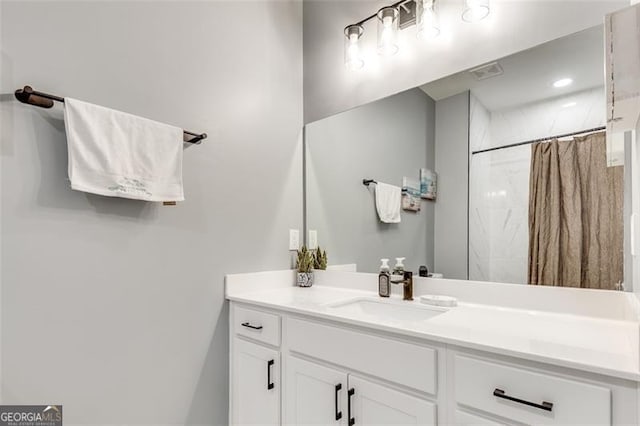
x: 575, y: 215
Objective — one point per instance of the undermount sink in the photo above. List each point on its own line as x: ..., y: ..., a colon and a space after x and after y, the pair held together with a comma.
x: 386, y: 310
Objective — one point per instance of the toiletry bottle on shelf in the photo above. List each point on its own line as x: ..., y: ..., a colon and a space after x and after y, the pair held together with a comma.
x: 384, y: 286
x: 423, y: 271
x: 398, y: 270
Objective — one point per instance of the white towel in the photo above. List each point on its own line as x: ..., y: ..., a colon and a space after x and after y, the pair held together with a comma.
x: 117, y: 154
x: 388, y: 199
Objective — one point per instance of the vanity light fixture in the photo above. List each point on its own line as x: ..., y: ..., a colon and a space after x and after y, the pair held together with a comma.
x: 475, y: 10
x: 427, y: 19
x: 388, y: 31
x: 352, y: 52
x: 563, y: 82
x: 403, y: 14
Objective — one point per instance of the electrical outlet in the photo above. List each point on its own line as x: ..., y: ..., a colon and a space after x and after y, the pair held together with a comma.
x: 294, y: 239
x: 313, y: 239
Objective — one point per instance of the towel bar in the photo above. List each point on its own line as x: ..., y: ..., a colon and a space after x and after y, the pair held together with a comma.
x: 29, y: 96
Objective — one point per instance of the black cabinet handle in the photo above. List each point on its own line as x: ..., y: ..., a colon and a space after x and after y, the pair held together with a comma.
x: 546, y: 406
x: 253, y: 327
x: 270, y: 384
x: 352, y: 420
x: 338, y: 413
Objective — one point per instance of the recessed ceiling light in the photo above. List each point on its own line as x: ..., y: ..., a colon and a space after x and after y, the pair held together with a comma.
x: 564, y: 82
x: 569, y: 104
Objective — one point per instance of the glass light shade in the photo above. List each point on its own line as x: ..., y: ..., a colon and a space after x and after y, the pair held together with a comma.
x: 388, y: 31
x: 427, y: 19
x: 475, y: 10
x: 352, y: 52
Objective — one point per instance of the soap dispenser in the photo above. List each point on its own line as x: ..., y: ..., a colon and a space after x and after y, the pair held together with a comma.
x: 398, y: 270
x: 384, y: 285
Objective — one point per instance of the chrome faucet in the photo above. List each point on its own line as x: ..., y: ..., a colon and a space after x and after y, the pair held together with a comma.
x: 407, y: 285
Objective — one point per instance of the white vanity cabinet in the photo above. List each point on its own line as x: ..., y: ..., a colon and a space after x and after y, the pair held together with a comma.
x: 318, y: 394
x: 375, y: 404
x: 528, y: 396
x: 337, y: 373
x: 256, y: 383
x: 392, y: 364
x: 315, y: 394
x: 394, y: 360
x: 255, y: 365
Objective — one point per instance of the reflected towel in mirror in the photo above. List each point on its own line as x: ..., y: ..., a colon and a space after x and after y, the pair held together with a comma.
x: 388, y: 199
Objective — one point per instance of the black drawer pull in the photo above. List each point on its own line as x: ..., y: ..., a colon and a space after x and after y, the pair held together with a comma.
x: 338, y: 413
x: 270, y: 384
x: 546, y: 406
x: 352, y: 420
x: 253, y: 327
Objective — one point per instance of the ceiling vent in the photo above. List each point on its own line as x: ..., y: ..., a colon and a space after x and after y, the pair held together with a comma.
x: 487, y: 71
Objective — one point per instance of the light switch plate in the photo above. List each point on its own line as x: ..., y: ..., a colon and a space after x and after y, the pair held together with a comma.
x: 313, y: 239
x: 294, y: 239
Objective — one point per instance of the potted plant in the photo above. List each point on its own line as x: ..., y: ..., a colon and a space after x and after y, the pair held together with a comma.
x: 319, y: 259
x: 304, y: 265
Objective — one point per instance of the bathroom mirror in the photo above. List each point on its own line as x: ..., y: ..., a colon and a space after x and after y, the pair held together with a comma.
x: 528, y: 190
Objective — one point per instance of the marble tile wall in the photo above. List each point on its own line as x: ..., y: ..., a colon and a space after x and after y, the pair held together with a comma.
x: 499, y: 180
x: 479, y: 192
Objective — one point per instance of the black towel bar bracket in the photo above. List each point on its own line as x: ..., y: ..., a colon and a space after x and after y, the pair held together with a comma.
x: 367, y: 182
x: 29, y: 96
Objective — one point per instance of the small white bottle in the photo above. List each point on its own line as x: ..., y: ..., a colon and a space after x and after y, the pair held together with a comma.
x: 384, y: 284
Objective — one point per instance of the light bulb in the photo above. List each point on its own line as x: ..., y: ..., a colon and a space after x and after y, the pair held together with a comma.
x: 427, y: 19
x: 388, y: 31
x: 352, y: 55
x: 475, y: 10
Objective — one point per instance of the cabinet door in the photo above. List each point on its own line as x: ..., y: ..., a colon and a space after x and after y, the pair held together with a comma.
x: 373, y: 404
x: 256, y: 384
x: 315, y: 395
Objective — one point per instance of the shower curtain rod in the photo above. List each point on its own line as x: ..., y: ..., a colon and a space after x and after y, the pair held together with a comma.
x: 495, y: 148
x: 29, y: 96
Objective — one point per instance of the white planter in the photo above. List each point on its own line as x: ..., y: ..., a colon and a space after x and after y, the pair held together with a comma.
x: 304, y: 279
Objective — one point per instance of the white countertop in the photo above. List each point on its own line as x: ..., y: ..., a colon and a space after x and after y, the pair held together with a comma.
x: 597, y: 345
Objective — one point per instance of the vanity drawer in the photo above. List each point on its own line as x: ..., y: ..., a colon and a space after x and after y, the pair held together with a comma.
x: 488, y: 386
x: 404, y: 363
x: 257, y: 325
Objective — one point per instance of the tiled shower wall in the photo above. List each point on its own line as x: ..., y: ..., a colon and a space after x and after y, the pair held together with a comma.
x: 499, y: 180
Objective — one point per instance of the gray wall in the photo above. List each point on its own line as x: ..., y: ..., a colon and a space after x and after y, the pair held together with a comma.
x: 512, y: 26
x: 384, y: 140
x: 452, y: 165
x: 115, y: 308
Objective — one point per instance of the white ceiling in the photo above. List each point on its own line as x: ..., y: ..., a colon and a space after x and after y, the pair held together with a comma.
x: 529, y: 75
